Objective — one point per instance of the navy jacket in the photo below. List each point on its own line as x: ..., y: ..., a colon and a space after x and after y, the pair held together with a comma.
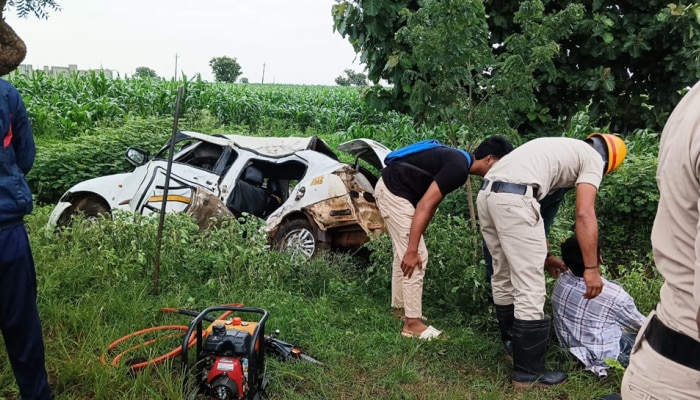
x: 17, y: 153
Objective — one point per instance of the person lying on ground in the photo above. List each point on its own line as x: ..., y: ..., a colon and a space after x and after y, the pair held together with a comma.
x: 598, y: 329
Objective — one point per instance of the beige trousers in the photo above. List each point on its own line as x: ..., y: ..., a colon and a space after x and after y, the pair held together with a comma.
x: 651, y: 376
x: 406, y: 293
x: 513, y: 229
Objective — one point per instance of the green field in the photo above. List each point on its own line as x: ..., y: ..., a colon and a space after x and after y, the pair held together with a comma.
x: 96, y: 281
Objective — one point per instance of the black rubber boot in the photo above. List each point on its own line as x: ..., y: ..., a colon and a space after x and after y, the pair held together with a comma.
x: 505, y: 317
x: 530, y: 342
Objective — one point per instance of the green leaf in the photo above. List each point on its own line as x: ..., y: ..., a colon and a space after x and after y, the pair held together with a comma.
x: 372, y: 7
x: 607, y: 37
x: 393, y: 61
x: 663, y: 16
x: 609, y: 85
x: 338, y: 9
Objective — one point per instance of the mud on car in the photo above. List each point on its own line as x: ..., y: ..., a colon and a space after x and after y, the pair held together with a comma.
x: 309, y: 199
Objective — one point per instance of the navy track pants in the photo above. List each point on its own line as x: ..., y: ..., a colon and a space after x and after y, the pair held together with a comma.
x: 19, y: 318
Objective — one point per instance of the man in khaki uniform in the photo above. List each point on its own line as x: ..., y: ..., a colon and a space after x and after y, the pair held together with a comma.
x: 513, y: 228
x: 665, y: 361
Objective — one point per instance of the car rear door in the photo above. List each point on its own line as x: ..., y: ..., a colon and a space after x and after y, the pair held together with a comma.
x: 182, y: 185
x: 368, y: 150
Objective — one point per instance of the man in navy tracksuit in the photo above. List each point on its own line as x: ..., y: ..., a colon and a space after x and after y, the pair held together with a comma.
x: 19, y: 318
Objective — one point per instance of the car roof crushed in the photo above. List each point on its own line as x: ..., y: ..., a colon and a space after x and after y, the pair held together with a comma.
x: 268, y: 146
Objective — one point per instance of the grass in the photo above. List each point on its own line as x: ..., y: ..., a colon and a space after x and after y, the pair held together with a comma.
x: 95, y: 285
x: 95, y: 282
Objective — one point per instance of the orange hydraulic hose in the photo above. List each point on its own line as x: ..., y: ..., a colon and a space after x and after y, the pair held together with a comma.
x: 157, y: 360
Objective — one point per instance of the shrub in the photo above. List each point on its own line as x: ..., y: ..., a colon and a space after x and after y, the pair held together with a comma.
x: 455, y: 276
x: 61, y: 164
x: 627, y: 204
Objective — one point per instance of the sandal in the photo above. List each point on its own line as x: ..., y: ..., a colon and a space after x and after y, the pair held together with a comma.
x: 429, y: 333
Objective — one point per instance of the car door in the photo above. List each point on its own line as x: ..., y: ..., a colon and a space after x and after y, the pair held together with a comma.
x: 182, y: 185
x: 368, y: 150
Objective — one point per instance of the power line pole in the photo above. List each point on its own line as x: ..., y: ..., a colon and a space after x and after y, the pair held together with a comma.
x: 176, y: 57
x: 263, y: 77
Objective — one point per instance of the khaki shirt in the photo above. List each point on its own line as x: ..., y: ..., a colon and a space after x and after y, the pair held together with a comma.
x: 550, y: 163
x: 674, y: 237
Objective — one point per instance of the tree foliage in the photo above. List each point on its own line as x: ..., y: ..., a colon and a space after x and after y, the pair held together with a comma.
x: 225, y: 69
x: 628, y: 59
x: 351, y: 78
x: 624, y: 61
x: 26, y: 7
x: 12, y: 47
x: 145, y: 72
x: 437, y: 56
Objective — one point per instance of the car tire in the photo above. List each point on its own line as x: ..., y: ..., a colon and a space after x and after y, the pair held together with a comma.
x: 297, y: 237
x: 91, y: 207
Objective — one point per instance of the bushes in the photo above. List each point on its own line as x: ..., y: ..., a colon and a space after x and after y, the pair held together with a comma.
x: 627, y: 203
x: 122, y: 252
x: 61, y: 164
x: 455, y: 277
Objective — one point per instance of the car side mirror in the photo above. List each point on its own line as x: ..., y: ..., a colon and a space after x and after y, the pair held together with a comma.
x: 136, y: 156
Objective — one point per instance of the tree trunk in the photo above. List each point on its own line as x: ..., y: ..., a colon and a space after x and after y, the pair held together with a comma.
x: 472, y: 216
x: 12, y: 47
x: 470, y: 203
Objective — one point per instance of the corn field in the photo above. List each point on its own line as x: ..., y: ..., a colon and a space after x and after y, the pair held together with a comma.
x: 65, y: 106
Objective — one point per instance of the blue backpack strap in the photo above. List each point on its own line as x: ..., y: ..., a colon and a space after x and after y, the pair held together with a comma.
x: 466, y: 154
x: 411, y: 149
x: 420, y: 146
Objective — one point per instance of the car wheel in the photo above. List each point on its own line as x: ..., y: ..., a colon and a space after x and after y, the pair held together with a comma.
x: 296, y: 237
x: 90, y: 207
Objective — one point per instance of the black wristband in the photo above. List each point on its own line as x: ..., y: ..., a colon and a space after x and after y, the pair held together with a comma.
x: 592, y: 267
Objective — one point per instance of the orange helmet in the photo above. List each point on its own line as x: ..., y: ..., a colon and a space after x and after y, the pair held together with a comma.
x: 611, y: 147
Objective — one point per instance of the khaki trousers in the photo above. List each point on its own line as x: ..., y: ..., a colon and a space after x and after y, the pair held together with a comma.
x: 513, y: 229
x: 406, y: 293
x: 651, y: 376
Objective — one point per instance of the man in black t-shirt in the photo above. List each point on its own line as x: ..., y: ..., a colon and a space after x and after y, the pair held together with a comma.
x: 408, y: 193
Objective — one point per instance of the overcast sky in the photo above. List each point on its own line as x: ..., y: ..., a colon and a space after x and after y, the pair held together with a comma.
x: 293, y: 38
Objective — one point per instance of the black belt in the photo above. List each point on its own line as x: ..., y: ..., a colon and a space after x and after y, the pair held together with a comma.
x: 673, y: 345
x: 507, y: 187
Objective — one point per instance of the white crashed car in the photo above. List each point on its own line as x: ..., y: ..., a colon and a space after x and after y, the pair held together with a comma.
x: 308, y: 198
